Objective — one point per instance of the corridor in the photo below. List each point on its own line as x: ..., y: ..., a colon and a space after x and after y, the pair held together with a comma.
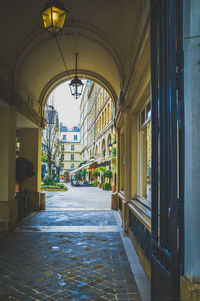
x: 72, y: 251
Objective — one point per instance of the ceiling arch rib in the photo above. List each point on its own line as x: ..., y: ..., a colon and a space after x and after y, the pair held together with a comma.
x: 83, y: 74
x: 40, y: 61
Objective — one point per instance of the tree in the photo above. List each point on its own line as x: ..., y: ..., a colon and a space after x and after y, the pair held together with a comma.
x: 101, y: 169
x: 96, y: 174
x: 107, y: 174
x: 83, y: 173
x: 50, y: 137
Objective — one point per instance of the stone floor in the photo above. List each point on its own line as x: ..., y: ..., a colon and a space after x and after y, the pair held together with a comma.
x: 44, y: 258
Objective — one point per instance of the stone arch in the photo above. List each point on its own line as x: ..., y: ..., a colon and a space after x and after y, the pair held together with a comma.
x: 83, y: 74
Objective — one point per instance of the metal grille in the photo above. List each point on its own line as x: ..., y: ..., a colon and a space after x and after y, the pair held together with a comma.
x: 141, y: 235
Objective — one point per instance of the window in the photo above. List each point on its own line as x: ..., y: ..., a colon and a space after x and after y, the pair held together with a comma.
x: 62, y: 165
x: 62, y: 157
x: 62, y: 147
x: 72, y: 157
x: 75, y: 137
x: 72, y: 166
x: 72, y: 147
x: 64, y: 137
x: 144, y: 153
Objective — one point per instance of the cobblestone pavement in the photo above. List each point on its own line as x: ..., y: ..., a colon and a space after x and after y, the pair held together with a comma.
x: 38, y: 265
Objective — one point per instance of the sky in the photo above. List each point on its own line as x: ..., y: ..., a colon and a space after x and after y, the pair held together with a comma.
x: 67, y: 106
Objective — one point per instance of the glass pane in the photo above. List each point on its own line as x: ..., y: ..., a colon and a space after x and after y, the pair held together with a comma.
x: 58, y: 17
x: 46, y: 16
x: 148, y: 111
x: 146, y: 162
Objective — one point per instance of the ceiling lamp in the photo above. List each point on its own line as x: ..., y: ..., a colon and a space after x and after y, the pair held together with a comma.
x: 54, y: 17
x: 110, y: 146
x: 76, y: 85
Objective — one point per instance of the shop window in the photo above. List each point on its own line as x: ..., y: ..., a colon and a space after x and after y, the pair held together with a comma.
x: 144, y: 153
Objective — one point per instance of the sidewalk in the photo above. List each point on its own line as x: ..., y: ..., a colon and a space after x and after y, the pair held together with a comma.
x: 69, y: 253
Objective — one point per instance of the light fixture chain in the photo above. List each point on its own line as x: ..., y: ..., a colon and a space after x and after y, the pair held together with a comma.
x: 62, y: 57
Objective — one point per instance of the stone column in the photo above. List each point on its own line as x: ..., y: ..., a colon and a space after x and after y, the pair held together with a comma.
x: 114, y: 203
x: 30, y: 149
x: 191, y: 23
x: 8, y: 204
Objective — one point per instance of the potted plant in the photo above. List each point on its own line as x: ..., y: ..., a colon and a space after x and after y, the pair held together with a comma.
x: 107, y: 174
x: 96, y: 174
x: 101, y: 169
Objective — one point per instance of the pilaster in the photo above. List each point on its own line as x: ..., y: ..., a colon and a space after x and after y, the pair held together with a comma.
x: 30, y: 149
x: 8, y: 204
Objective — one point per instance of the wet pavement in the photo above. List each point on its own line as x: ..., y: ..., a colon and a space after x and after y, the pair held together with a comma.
x: 81, y: 257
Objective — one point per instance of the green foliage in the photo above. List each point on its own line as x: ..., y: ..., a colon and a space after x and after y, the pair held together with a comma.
x: 44, y: 158
x: 83, y: 173
x: 54, y: 186
x: 78, y: 175
x: 96, y: 174
x: 101, y: 168
x: 106, y: 186
x: 107, y: 174
x: 95, y: 183
x: 50, y: 180
x: 114, y: 152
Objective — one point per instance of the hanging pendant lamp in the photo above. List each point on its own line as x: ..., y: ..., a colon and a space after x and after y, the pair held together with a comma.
x: 54, y: 16
x: 76, y: 85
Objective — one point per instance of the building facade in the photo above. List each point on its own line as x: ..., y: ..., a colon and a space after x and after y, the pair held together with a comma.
x: 96, y: 125
x: 69, y: 152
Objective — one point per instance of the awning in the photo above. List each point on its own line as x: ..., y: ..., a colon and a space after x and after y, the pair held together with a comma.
x: 83, y: 167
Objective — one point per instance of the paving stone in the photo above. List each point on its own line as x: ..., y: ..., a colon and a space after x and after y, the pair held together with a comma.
x: 78, y: 266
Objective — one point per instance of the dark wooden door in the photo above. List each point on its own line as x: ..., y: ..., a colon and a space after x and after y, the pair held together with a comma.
x: 167, y: 148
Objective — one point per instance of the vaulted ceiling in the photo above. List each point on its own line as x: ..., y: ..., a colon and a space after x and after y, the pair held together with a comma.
x: 102, y: 32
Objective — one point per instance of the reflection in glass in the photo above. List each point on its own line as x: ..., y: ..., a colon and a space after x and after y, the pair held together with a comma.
x: 146, y: 161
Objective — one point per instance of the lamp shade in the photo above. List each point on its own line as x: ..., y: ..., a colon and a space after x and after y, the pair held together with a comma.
x: 110, y: 147
x: 76, y: 87
x: 54, y: 16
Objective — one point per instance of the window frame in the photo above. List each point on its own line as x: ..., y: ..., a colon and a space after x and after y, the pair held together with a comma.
x: 140, y: 127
